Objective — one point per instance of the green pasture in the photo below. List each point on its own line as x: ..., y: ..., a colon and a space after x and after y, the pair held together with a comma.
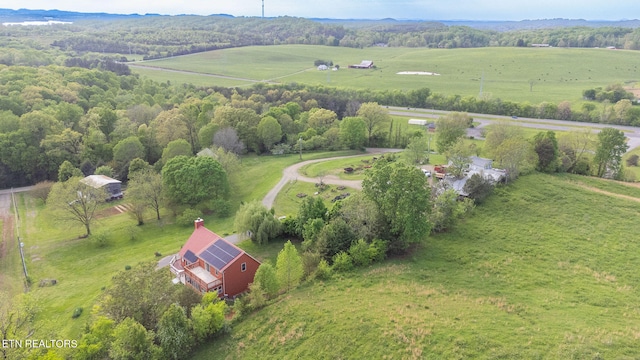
x: 557, y: 74
x: 539, y: 271
x: 287, y: 202
x: 610, y: 186
x: 177, y: 77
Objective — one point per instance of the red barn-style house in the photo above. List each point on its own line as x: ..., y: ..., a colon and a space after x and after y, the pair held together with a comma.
x: 208, y: 262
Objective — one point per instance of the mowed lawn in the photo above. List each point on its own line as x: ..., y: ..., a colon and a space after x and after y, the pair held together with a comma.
x: 557, y: 74
x: 545, y: 269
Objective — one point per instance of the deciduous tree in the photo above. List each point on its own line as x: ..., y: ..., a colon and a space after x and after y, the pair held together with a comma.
x: 144, y: 294
x: 374, y: 116
x: 125, y: 151
x: 174, y: 333
x: 612, y: 144
x: 353, y: 132
x: 546, y: 146
x: 450, y: 128
x: 227, y: 138
x: 67, y: 171
x: 76, y: 202
x: 289, y: 266
x: 417, y: 150
x: 402, y: 194
x: 176, y: 148
x: 192, y: 180
x: 269, y: 131
x: 267, y: 279
x: 321, y: 120
x: 207, y: 319
x: 253, y: 219
x: 132, y: 341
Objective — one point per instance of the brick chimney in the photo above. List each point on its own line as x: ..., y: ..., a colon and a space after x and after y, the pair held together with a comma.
x: 198, y: 223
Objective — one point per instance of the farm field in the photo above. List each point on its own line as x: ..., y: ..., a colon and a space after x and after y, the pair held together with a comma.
x: 557, y: 73
x: 539, y: 271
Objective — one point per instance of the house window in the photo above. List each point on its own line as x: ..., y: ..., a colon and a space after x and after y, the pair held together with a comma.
x: 206, y: 266
x: 216, y: 272
x: 243, y: 267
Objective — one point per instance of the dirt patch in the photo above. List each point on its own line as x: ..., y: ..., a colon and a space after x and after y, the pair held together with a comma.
x: 634, y: 90
x: 108, y: 212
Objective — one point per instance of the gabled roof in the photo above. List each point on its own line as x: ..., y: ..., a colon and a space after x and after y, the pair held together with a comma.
x: 220, y: 254
x: 199, y: 240
x: 98, y: 181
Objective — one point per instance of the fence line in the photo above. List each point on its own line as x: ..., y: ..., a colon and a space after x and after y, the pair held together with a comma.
x: 20, y: 244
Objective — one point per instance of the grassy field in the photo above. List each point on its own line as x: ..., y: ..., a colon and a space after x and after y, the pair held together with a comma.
x: 336, y: 167
x: 287, y: 203
x: 539, y: 271
x: 11, y: 277
x: 557, y: 73
x: 82, y: 267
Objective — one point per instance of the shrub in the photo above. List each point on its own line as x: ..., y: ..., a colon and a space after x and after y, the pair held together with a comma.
x: 310, y: 261
x: 359, y: 252
x: 134, y: 232
x: 41, y: 190
x: 289, y: 225
x: 632, y: 160
x: 187, y: 217
x: 76, y: 313
x: 255, y: 299
x: 378, y: 250
x: 222, y: 208
x: 101, y: 239
x: 478, y: 188
x: 342, y: 262
x: 127, y: 267
x: 323, y: 271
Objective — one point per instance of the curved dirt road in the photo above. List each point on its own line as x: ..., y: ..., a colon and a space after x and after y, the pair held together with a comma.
x: 291, y: 174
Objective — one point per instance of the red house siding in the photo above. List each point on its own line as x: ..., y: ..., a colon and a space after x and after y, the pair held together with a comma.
x: 237, y: 281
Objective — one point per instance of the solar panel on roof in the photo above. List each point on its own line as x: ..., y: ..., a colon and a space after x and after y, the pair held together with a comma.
x: 219, y: 254
x: 228, y: 248
x: 190, y: 256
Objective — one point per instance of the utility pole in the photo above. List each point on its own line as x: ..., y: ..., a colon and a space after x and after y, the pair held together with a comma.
x: 263, y: 9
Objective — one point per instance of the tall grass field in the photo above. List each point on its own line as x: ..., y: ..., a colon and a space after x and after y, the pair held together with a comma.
x: 545, y: 269
x: 517, y: 74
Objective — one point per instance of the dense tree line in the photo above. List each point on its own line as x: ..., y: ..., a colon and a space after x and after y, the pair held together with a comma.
x: 95, y: 117
x: 163, y: 36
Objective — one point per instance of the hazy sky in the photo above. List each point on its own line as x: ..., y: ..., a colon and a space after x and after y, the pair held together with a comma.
x: 358, y: 9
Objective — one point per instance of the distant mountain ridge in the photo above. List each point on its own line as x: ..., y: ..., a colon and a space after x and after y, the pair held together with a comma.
x: 58, y: 15
x: 10, y: 15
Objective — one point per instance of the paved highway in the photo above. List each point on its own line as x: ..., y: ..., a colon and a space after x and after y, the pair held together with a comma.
x: 632, y: 133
